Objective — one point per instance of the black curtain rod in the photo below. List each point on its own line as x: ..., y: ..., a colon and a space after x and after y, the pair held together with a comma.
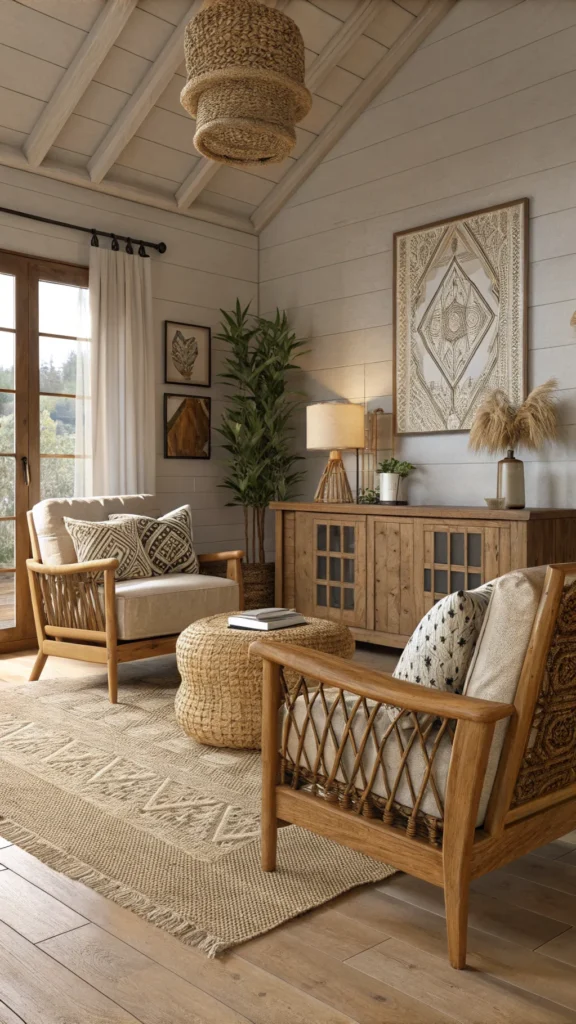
x: 159, y: 246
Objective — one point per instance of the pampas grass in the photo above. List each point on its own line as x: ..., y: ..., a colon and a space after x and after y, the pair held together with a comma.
x: 499, y: 425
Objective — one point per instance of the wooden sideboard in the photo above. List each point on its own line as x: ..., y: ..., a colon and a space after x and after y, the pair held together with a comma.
x: 379, y: 568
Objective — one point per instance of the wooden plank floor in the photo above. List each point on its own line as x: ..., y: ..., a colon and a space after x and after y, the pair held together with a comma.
x: 374, y: 956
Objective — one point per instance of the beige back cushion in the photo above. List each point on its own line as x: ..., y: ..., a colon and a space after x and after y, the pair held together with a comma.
x: 56, y: 547
x: 495, y: 668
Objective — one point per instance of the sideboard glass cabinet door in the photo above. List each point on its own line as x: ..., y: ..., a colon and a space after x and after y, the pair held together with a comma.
x: 339, y: 569
x: 460, y: 557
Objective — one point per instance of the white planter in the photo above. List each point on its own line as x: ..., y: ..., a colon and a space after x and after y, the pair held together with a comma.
x: 390, y: 484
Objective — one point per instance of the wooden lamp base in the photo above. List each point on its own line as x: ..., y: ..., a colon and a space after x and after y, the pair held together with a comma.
x: 334, y: 486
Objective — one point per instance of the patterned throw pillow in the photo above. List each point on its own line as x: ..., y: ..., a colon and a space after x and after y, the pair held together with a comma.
x: 441, y: 647
x: 93, y: 541
x: 167, y: 541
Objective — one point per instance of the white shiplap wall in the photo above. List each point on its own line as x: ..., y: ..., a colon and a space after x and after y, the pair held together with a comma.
x: 205, y: 268
x: 483, y: 112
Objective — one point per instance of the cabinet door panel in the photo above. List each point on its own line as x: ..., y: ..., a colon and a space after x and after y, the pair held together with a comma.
x: 338, y: 564
x: 458, y: 556
x: 394, y: 607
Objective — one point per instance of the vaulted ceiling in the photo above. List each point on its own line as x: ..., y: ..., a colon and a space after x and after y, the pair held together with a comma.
x: 89, y: 94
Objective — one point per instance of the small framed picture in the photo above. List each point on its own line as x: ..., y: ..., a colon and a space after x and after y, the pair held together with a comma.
x: 186, y: 427
x: 187, y: 355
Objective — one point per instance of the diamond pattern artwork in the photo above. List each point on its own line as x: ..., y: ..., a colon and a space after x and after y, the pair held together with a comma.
x: 460, y: 320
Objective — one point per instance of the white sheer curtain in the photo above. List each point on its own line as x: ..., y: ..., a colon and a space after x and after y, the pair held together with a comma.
x: 123, y: 394
x: 83, y: 443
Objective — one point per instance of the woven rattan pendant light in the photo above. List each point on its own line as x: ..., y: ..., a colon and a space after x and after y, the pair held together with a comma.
x: 245, y: 65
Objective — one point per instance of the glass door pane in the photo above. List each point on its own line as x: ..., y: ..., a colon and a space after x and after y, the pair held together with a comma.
x: 62, y: 324
x: 7, y: 453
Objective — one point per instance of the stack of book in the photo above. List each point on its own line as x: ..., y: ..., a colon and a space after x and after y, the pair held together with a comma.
x: 266, y: 618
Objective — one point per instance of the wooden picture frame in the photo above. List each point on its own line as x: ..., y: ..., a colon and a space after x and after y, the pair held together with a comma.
x: 187, y: 426
x: 460, y: 316
x: 187, y: 354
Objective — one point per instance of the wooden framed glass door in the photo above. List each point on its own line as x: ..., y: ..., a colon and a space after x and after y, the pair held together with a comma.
x: 39, y: 328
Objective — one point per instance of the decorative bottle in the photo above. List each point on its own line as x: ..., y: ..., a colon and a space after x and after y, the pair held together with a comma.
x: 511, y: 481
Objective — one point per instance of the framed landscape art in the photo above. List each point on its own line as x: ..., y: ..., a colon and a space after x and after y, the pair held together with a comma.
x: 186, y: 427
x: 460, y: 317
x: 187, y: 354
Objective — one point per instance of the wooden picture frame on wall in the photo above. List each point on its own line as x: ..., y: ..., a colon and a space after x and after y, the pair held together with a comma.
x: 187, y: 354
x: 187, y: 426
x: 460, y: 317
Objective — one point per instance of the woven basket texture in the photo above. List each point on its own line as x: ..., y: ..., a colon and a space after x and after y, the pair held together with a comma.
x: 219, y: 701
x: 245, y: 65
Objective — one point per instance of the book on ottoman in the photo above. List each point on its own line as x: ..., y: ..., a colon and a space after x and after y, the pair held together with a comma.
x: 266, y: 618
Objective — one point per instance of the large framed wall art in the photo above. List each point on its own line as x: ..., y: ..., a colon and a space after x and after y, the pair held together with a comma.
x: 460, y: 316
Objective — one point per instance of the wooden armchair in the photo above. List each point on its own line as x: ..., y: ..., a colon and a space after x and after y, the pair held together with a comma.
x: 421, y: 798
x: 75, y: 609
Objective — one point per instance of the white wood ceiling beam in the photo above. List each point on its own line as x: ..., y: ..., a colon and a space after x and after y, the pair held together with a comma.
x: 325, y: 62
x: 11, y: 156
x: 387, y: 67
x: 77, y: 78
x: 141, y: 102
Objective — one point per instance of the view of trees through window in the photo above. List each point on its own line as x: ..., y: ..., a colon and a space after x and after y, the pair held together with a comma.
x: 62, y: 320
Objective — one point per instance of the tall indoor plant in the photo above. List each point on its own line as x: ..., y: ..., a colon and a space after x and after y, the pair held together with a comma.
x: 256, y: 430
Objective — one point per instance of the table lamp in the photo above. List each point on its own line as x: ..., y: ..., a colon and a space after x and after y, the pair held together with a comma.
x: 334, y: 426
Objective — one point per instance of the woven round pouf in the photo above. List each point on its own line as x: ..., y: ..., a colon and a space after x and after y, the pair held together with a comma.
x: 219, y: 701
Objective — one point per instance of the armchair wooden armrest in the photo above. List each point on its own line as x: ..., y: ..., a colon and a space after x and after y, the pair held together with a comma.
x: 380, y: 686
x: 71, y: 568
x: 233, y: 568
x: 68, y: 613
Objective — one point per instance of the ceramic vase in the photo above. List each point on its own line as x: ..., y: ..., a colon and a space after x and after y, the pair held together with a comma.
x: 511, y: 481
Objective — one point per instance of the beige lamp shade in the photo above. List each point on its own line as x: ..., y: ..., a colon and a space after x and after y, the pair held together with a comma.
x: 334, y: 425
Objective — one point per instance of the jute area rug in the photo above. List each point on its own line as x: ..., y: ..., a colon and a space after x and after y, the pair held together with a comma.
x: 118, y: 798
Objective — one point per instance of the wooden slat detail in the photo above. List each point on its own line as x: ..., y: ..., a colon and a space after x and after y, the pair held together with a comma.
x: 304, y: 563
x: 141, y: 102
x: 289, y: 547
x: 77, y: 78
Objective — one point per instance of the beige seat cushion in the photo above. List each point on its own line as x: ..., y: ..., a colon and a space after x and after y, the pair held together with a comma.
x: 56, y: 547
x: 164, y: 605
x: 493, y: 675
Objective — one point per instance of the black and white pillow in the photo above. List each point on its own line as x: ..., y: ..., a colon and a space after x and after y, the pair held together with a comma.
x: 440, y: 649
x: 167, y: 541
x: 93, y: 541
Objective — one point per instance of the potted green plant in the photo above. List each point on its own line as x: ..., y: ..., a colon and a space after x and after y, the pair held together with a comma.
x: 257, y: 433
x: 392, y: 472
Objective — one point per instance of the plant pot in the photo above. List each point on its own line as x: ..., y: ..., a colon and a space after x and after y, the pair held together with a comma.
x: 258, y: 584
x: 390, y: 485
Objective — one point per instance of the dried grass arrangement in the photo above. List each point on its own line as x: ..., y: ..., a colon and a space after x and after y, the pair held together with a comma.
x: 500, y: 426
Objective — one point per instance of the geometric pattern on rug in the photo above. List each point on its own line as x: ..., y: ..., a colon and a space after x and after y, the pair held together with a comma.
x: 116, y: 796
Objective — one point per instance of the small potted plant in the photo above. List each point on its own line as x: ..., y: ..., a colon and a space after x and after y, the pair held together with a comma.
x: 392, y: 472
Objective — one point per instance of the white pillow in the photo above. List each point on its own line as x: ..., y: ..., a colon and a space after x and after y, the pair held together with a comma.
x: 440, y: 649
x: 93, y: 541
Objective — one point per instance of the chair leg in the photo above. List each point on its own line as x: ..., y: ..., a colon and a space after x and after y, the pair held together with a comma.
x: 269, y: 840
x: 456, y: 899
x: 36, y: 672
x: 112, y: 665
